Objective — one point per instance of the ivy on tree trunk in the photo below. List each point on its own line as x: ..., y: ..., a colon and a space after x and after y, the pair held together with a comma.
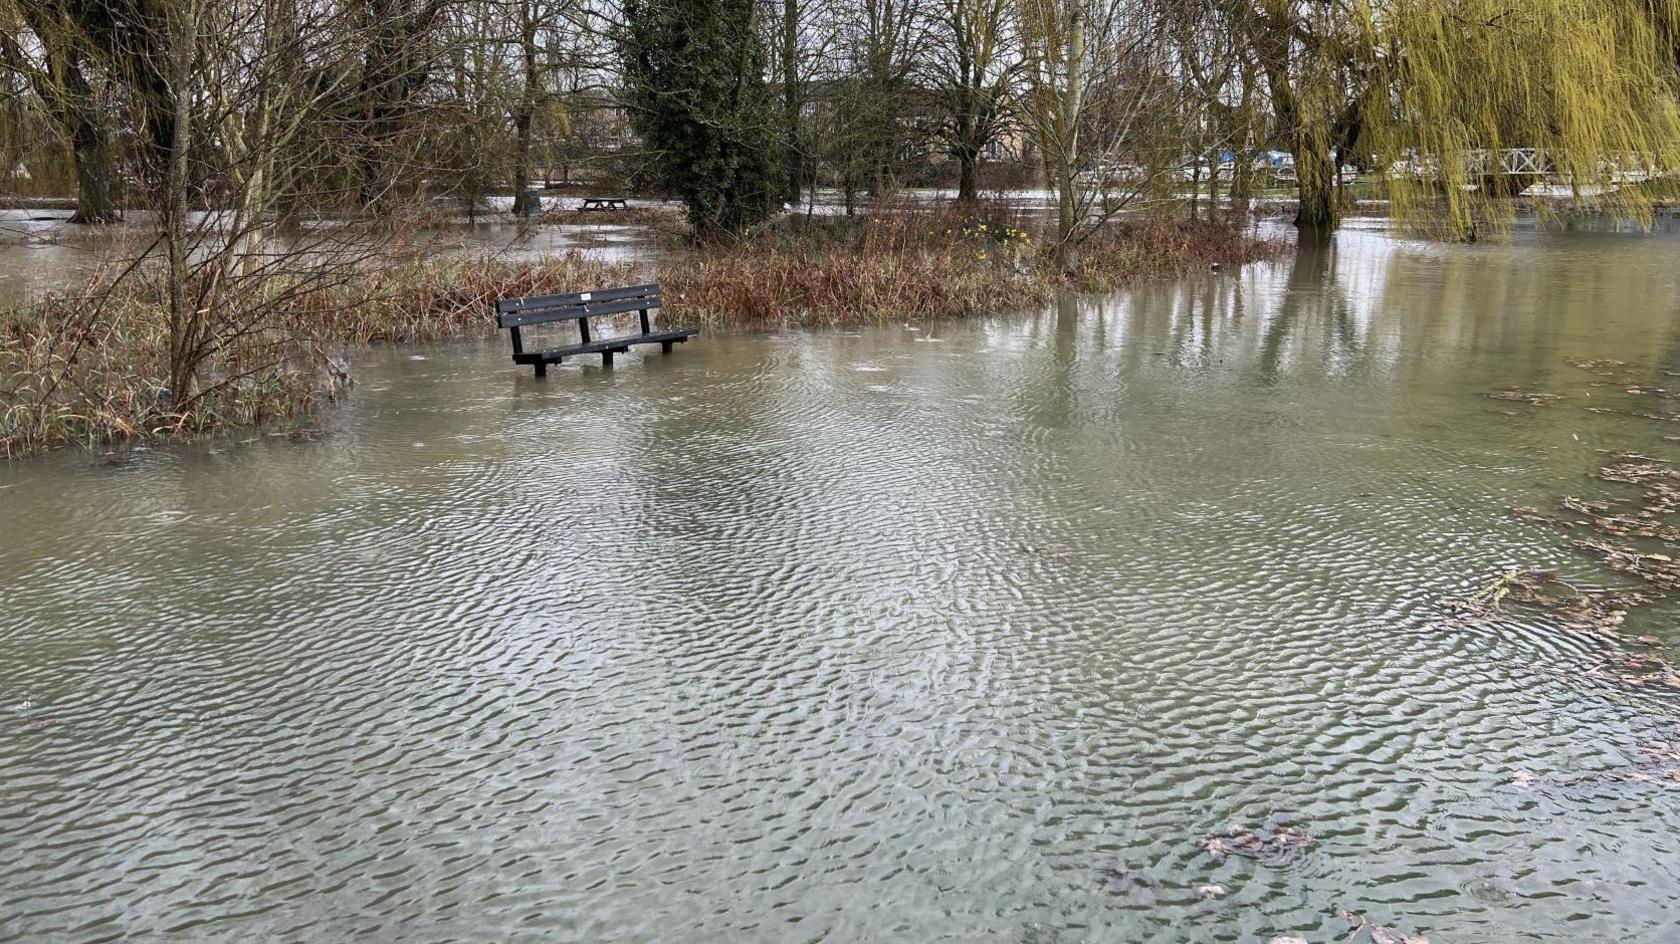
x: 694, y: 85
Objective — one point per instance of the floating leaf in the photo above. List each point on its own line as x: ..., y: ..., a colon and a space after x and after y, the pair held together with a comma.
x: 1274, y: 845
x: 1533, y: 399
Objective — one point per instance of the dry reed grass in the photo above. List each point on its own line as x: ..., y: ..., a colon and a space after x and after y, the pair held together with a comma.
x: 912, y: 264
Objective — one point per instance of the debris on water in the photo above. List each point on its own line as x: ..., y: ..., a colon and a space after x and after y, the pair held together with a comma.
x: 1620, y: 525
x: 1276, y: 845
x: 1572, y: 607
x: 1597, y: 516
x: 1658, y: 765
x: 1286, y: 939
x: 1660, y: 481
x: 1380, y: 933
x: 1211, y: 892
x: 1596, y: 364
x: 1651, y: 671
x: 1627, y: 533
x: 1522, y: 780
x: 1659, y: 570
x: 1531, y: 398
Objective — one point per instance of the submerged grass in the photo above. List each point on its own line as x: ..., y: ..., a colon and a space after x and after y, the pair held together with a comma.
x: 90, y: 366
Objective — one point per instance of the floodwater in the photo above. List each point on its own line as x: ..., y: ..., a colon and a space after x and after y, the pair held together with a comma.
x: 958, y: 632
x: 41, y: 253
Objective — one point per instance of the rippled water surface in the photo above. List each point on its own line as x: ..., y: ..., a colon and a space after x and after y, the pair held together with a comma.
x: 953, y: 634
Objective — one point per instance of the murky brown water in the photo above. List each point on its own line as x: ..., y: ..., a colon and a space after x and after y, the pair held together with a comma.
x: 955, y: 634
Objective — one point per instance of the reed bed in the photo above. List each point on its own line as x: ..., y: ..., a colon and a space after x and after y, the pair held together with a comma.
x: 918, y: 264
x: 1127, y: 253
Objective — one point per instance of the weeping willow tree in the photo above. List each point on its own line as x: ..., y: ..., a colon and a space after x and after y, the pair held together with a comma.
x: 1472, y: 100
x: 1436, y: 95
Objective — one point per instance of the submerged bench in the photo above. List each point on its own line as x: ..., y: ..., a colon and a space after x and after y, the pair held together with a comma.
x: 516, y: 313
x: 605, y: 203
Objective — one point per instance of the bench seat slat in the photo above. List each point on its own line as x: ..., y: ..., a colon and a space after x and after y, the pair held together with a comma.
x: 622, y: 342
x: 573, y: 298
x: 591, y: 309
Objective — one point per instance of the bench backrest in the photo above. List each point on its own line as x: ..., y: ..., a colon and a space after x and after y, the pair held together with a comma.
x: 543, y: 309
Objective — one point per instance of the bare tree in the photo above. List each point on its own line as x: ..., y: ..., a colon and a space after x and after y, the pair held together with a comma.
x: 1095, y: 81
x: 880, y: 116
x: 973, y: 65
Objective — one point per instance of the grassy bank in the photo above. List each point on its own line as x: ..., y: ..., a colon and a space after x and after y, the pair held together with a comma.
x: 91, y: 366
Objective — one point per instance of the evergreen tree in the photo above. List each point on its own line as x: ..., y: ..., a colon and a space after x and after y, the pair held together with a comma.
x: 694, y: 84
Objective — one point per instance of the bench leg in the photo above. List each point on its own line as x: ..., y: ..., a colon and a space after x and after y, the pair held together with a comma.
x: 665, y: 347
x: 542, y: 369
x: 606, y: 358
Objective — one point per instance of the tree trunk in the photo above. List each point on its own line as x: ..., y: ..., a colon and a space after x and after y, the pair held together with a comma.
x: 792, y: 164
x: 525, y: 203
x: 967, y: 190
x: 1067, y: 219
x: 185, y: 317
x: 1316, y: 216
x: 1242, y: 184
x: 1071, y: 104
x: 967, y: 124
x: 90, y: 146
x: 1242, y: 176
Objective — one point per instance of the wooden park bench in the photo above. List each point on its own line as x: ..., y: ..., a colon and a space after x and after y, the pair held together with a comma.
x: 516, y: 313
x: 604, y: 203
